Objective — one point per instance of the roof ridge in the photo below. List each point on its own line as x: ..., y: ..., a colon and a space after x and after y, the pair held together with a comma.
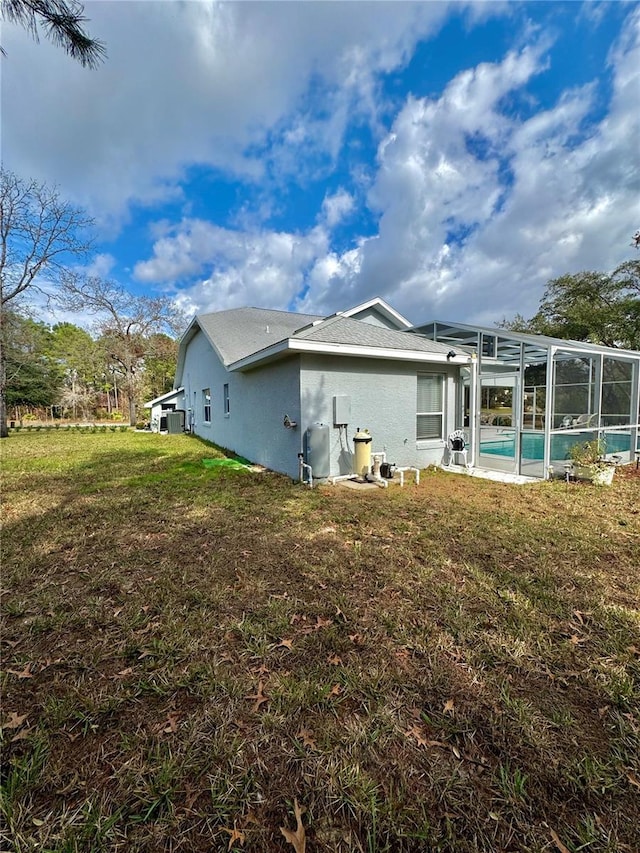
x: 256, y: 308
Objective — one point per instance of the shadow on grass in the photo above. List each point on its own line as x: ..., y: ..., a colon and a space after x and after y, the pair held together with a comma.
x: 437, y: 668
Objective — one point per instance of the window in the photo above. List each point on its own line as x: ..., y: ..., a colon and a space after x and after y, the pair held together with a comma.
x: 430, y: 408
x: 226, y: 398
x: 206, y: 405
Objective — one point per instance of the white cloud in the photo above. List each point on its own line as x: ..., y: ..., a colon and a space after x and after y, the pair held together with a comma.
x: 477, y: 209
x: 206, y: 83
x: 234, y: 268
x: 476, y: 234
x: 337, y: 207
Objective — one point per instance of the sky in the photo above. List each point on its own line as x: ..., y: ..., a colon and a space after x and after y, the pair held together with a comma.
x: 451, y: 158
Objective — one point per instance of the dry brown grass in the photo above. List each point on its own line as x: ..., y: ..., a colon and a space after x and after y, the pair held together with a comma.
x: 187, y: 651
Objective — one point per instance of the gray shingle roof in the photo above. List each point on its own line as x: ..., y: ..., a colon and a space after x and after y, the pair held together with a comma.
x: 343, y: 330
x: 240, y: 332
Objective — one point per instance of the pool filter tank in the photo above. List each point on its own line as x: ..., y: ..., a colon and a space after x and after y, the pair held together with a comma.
x: 362, y: 440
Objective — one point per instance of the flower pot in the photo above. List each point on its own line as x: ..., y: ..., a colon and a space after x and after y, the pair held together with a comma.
x: 599, y: 475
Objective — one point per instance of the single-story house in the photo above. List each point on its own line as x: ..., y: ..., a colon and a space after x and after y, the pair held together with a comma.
x: 160, y: 407
x: 270, y: 385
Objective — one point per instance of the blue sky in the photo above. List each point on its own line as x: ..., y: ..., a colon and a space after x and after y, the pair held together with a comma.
x: 448, y: 157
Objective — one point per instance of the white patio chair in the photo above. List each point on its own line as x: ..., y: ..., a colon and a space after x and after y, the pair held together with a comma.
x: 457, y: 446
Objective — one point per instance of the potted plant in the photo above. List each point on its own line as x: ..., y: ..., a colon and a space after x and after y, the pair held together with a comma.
x: 589, y: 463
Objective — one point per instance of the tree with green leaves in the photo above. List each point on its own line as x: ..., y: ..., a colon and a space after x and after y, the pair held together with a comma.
x: 602, y: 308
x: 63, y: 24
x: 160, y: 365
x: 81, y: 361
x: 34, y: 379
x: 41, y: 235
x: 128, y: 326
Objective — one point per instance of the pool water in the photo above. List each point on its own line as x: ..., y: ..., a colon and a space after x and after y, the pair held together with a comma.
x: 532, y: 445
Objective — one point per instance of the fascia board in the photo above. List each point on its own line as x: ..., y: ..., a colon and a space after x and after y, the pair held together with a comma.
x: 383, y: 307
x: 301, y: 346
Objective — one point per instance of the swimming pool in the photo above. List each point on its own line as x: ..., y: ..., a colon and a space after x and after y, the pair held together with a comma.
x: 532, y: 445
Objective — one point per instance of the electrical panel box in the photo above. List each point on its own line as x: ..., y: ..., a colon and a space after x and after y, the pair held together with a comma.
x: 341, y: 410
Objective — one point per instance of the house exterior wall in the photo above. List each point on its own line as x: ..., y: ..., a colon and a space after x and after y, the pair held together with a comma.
x: 382, y: 393
x: 258, y: 401
x: 383, y: 396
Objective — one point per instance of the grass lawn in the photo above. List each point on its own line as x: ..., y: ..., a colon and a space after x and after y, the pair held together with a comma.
x: 190, y: 652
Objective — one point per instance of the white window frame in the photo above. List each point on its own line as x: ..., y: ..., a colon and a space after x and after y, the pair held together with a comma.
x: 227, y: 406
x: 206, y: 405
x: 440, y: 412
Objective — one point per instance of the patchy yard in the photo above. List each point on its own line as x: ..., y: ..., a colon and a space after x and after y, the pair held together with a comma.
x: 188, y: 651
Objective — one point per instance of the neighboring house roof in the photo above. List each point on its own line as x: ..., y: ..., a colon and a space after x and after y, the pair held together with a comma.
x: 163, y: 397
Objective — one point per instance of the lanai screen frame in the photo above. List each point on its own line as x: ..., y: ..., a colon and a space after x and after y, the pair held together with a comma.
x: 497, y: 350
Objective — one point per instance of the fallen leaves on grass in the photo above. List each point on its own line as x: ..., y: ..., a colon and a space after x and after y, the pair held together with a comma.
x: 259, y: 697
x: 420, y: 736
x: 416, y: 733
x: 557, y: 842
x: 236, y: 835
x: 285, y: 643
x: 124, y: 672
x: 23, y: 734
x: 633, y: 779
x: 307, y: 738
x: 170, y: 725
x: 25, y: 673
x: 297, y: 839
x: 319, y: 625
x: 448, y: 707
x: 334, y: 660
x: 15, y: 720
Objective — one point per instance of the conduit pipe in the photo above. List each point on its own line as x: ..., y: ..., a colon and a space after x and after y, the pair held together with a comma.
x: 302, y: 466
x: 338, y: 477
x: 409, y: 468
x: 375, y: 475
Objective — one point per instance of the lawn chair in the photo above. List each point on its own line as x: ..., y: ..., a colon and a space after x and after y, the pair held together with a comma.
x: 457, y: 446
x: 585, y: 420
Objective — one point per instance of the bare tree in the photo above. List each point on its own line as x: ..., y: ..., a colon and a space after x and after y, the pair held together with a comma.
x: 40, y: 234
x: 128, y: 325
x: 62, y: 21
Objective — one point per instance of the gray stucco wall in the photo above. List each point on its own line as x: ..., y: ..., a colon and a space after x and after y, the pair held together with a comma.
x: 259, y: 400
x: 383, y: 398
